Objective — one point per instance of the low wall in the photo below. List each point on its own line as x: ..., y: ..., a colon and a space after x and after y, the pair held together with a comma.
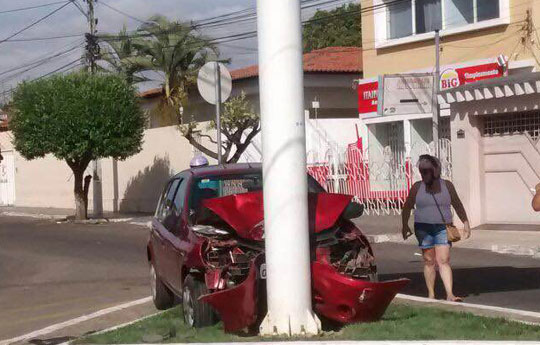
x: 132, y: 185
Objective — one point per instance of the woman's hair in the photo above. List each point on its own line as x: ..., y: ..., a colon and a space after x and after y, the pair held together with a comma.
x: 430, y: 162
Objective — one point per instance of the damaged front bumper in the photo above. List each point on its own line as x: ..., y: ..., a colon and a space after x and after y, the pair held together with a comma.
x: 336, y: 297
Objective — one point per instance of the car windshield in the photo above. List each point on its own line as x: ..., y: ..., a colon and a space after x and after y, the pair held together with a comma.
x: 224, y: 185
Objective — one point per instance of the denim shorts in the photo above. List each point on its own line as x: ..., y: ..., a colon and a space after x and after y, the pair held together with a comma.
x: 431, y: 235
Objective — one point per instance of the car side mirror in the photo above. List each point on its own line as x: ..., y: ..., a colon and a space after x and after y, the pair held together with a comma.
x: 353, y: 210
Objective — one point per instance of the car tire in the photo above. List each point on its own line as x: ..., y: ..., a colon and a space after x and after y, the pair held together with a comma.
x: 197, y: 314
x: 163, y: 298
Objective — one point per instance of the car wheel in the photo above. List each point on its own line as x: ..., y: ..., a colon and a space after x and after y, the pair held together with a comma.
x: 196, y: 313
x: 162, y: 296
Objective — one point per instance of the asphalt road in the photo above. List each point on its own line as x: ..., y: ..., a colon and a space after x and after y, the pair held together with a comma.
x: 51, y: 272
x: 483, y: 277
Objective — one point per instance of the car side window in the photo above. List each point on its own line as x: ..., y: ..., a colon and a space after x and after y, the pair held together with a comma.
x: 161, y: 203
x: 180, y: 197
x: 174, y: 205
x: 167, y: 201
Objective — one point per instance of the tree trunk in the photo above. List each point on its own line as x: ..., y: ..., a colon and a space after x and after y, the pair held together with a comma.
x: 86, y: 187
x: 80, y: 213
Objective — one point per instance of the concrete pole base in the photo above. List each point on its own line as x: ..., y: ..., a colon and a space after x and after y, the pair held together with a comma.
x: 276, y: 325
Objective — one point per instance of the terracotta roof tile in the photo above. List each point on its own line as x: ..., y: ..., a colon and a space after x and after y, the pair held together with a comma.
x: 326, y: 60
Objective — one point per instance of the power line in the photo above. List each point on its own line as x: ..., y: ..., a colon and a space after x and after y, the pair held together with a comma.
x: 31, y: 7
x: 122, y: 13
x: 35, y: 23
x: 44, y: 38
x: 61, y: 68
x: 36, y: 64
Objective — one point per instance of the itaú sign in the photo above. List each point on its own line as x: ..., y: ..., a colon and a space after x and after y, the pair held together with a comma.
x: 367, y: 97
x: 454, y: 77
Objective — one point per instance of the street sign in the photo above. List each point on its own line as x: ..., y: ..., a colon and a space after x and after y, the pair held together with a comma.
x: 407, y: 94
x: 206, y: 82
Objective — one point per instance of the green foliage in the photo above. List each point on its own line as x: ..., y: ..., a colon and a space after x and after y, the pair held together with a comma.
x: 339, y: 27
x: 121, y: 57
x: 400, y: 322
x: 77, y: 117
x: 174, y: 49
x: 237, y: 115
x: 238, y: 118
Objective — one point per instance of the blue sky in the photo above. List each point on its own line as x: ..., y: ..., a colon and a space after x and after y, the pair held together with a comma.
x: 69, y: 21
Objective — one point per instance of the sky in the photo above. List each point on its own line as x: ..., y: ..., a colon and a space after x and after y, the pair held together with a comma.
x: 70, y: 21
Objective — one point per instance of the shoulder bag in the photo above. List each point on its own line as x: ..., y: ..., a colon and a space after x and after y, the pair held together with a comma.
x: 452, y: 232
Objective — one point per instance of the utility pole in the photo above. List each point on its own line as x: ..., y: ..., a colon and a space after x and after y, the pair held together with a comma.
x: 435, y: 102
x: 218, y: 110
x: 92, y: 48
x: 285, y: 189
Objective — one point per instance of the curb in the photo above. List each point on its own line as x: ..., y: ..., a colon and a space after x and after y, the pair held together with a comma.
x: 140, y: 221
x: 533, y: 252
x: 522, y: 316
x: 57, y: 217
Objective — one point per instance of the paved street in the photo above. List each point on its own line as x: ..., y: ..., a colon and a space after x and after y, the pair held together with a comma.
x: 52, y: 272
x: 482, y: 276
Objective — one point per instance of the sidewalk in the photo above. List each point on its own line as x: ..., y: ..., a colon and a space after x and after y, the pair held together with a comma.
x: 504, y: 239
x: 499, y: 238
x: 61, y: 214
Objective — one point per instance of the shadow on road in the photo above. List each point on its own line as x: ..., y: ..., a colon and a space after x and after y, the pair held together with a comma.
x: 475, y: 281
x: 51, y: 341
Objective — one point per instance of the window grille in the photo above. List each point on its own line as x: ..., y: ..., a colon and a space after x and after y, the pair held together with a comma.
x: 516, y: 123
x: 444, y: 125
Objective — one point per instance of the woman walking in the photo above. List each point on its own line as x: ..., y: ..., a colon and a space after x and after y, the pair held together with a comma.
x: 433, y: 198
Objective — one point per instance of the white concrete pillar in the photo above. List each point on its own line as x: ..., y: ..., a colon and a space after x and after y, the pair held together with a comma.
x: 284, y: 170
x: 467, y: 163
x: 407, y: 138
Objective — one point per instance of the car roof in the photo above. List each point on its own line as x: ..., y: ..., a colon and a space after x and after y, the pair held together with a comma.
x: 222, y: 169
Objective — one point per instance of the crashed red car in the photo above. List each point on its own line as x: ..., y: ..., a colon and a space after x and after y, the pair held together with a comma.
x: 206, y: 248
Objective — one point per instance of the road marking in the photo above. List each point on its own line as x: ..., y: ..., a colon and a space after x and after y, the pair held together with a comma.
x: 75, y: 321
x: 471, y: 305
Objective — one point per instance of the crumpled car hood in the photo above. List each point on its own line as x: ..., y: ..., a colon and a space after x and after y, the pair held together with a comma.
x: 244, y: 212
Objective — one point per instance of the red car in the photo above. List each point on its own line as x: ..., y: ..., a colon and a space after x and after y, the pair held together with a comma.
x: 206, y: 248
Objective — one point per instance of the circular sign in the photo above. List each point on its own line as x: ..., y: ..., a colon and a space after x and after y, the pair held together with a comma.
x: 206, y: 82
x: 449, y: 79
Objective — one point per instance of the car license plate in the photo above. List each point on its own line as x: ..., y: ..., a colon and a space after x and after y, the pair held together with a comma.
x: 262, y: 271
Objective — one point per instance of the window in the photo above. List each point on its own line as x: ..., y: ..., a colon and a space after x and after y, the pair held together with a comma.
x: 180, y: 198
x: 511, y: 124
x: 167, y: 200
x: 399, y: 19
x: 406, y: 18
x: 487, y: 9
x: 428, y: 15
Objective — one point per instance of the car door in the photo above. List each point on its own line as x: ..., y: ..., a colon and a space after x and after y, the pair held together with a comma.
x: 175, y: 239
x: 161, y: 232
x: 157, y: 239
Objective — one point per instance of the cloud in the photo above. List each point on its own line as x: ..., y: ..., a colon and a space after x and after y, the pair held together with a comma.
x: 70, y: 21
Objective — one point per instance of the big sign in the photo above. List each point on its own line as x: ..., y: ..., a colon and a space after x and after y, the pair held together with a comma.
x: 449, y: 79
x: 454, y: 77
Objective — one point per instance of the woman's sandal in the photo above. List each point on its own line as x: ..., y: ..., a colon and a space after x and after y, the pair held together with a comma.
x: 457, y: 299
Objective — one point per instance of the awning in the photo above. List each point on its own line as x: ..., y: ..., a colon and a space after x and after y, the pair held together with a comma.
x: 499, y: 88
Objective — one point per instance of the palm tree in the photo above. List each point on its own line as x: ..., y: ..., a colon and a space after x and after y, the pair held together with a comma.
x: 121, y: 57
x: 176, y: 51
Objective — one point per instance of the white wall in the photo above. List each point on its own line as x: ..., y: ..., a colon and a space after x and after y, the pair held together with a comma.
x: 512, y: 168
x: 48, y: 182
